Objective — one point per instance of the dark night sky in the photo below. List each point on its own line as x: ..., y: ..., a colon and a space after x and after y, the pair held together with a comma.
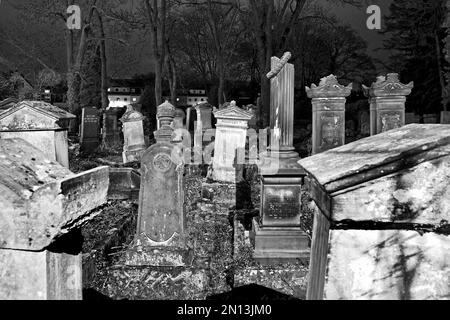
x: 355, y: 17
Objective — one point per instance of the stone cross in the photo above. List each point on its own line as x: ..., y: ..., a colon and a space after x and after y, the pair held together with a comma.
x: 133, y: 134
x: 231, y: 133
x: 387, y: 97
x: 328, y: 101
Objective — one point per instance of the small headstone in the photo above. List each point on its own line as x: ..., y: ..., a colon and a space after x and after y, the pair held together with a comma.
x: 411, y: 117
x: 178, y: 121
x: 364, y: 123
x: 112, y: 128
x: 161, y: 213
x: 231, y: 133
x: 133, y: 134
x: 430, y: 118
x: 41, y: 124
x: 445, y: 117
x: 90, y: 129
x: 204, y: 119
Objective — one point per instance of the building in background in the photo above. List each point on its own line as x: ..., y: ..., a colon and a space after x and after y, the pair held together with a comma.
x: 188, y: 98
x: 123, y: 92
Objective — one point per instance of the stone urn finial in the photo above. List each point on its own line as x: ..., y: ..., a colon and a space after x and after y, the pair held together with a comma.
x: 165, y: 114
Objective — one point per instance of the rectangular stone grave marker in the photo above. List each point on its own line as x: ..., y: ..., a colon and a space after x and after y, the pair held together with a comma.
x: 445, y: 117
x: 90, y: 129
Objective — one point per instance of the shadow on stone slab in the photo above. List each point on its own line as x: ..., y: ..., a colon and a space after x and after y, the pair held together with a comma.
x: 252, y: 292
x: 93, y: 295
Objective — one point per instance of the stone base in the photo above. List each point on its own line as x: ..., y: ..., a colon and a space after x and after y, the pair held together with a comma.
x: 288, y: 277
x: 279, y: 243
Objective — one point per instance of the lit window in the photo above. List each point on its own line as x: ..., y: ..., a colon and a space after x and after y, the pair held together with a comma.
x: 134, y: 99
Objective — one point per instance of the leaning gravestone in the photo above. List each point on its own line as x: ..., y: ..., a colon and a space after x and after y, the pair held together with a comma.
x: 43, y: 205
x: 90, y: 129
x: 161, y: 214
x: 41, y: 124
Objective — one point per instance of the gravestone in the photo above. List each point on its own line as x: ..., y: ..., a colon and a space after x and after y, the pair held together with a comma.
x: 43, y: 205
x: 231, y: 133
x: 178, y: 121
x: 387, y: 97
x: 133, y: 134
x: 411, y: 118
x: 112, y: 128
x: 90, y: 129
x: 328, y: 101
x: 445, y: 117
x: 277, y: 234
x: 161, y: 220
x: 382, y: 217
x: 41, y: 124
x: 364, y: 123
x: 204, y: 120
x: 430, y: 118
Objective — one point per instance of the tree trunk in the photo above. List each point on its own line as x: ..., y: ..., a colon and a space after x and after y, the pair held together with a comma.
x: 444, y: 92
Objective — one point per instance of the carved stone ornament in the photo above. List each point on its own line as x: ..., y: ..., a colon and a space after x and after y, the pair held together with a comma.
x: 162, y: 162
x: 389, y: 86
x: 329, y: 87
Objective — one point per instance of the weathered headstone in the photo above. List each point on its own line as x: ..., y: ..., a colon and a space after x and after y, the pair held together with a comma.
x: 277, y: 233
x: 411, y: 117
x: 387, y: 103
x: 42, y: 206
x: 328, y: 100
x: 41, y: 124
x: 90, y: 129
x: 231, y: 133
x: 133, y: 134
x: 161, y: 214
x: 112, y: 127
x: 364, y: 123
x: 430, y: 118
x: 178, y: 121
x: 445, y: 117
x: 204, y: 119
x: 381, y: 227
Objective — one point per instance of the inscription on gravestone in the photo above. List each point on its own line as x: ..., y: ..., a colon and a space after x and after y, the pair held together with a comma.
x: 90, y: 129
x: 282, y: 203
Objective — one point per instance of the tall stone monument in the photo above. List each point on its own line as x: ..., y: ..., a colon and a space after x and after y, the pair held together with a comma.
x: 161, y: 220
x: 277, y: 233
x: 328, y: 101
x: 231, y: 133
x: 133, y: 135
x: 387, y: 97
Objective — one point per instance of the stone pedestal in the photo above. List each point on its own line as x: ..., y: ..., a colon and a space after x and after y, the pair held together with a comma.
x: 328, y: 101
x: 387, y: 97
x: 43, y: 204
x: 133, y: 134
x: 445, y: 117
x: 277, y: 232
x: 41, y: 124
x: 229, y: 149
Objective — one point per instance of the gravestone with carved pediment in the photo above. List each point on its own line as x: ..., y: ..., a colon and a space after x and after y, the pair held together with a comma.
x: 328, y: 100
x: 231, y: 133
x: 387, y: 103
